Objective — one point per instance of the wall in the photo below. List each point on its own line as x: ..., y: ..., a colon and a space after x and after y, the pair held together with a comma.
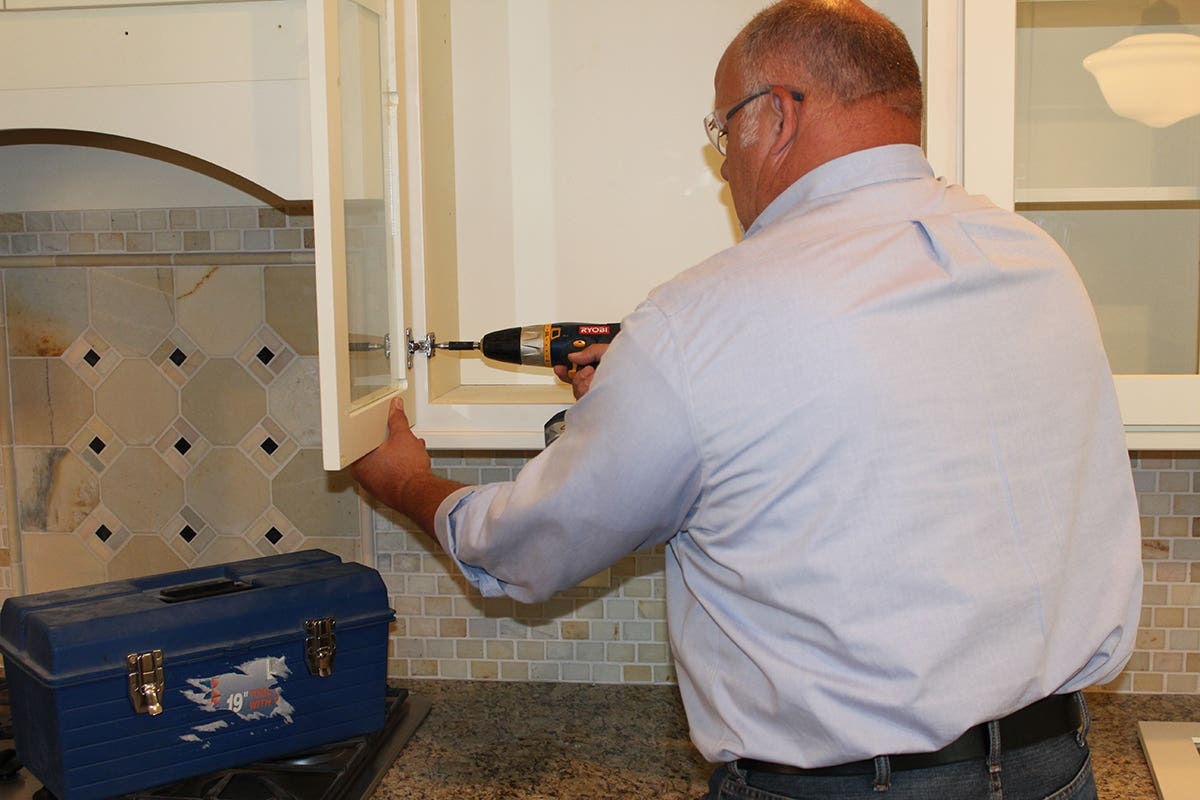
x: 133, y: 287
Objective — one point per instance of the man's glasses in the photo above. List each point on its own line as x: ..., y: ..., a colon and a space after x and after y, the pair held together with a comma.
x: 716, y: 124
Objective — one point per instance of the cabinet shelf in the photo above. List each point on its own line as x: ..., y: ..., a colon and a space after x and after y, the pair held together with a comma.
x: 1099, y: 196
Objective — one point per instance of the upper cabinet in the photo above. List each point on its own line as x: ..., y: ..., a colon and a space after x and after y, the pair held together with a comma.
x: 1097, y: 140
x: 555, y: 169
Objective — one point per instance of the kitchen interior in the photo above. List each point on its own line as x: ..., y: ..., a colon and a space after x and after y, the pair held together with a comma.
x: 170, y: 400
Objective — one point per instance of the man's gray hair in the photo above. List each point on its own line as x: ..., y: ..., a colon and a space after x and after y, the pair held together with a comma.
x: 847, y: 48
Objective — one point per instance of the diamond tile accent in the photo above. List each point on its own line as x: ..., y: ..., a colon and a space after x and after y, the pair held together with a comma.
x: 182, y: 447
x: 187, y: 534
x: 178, y: 357
x: 268, y: 446
x: 274, y: 533
x: 91, y: 357
x: 102, y: 533
x: 266, y: 355
x: 97, y: 445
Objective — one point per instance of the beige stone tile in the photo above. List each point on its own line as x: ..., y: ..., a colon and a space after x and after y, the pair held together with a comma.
x: 46, y: 309
x: 294, y: 401
x: 291, y: 299
x: 347, y: 548
x: 134, y: 309
x: 55, y: 490
x: 219, y: 307
x: 141, y: 490
x: 225, y: 549
x: 137, y: 401
x: 49, y: 401
x: 58, y: 561
x: 318, y: 503
x: 223, y: 401
x: 228, y: 491
x: 144, y: 555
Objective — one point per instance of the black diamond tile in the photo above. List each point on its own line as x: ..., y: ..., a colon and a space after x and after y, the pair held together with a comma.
x: 91, y: 357
x: 183, y: 445
x: 97, y: 445
x: 269, y: 446
x: 187, y: 534
x: 103, y: 533
x: 273, y: 536
x: 265, y: 355
x: 177, y: 357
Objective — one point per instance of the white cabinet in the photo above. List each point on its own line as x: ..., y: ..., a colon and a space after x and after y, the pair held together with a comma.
x: 554, y: 168
x: 1122, y: 196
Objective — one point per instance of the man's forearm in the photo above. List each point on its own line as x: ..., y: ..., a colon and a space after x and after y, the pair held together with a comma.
x: 421, y: 496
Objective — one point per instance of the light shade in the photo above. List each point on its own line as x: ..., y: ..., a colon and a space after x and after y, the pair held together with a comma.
x: 1153, y: 78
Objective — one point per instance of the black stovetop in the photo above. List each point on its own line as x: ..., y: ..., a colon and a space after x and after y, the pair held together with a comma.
x: 345, y: 770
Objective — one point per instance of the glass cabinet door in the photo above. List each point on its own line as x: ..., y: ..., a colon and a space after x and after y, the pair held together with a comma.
x: 1106, y: 158
x: 354, y: 96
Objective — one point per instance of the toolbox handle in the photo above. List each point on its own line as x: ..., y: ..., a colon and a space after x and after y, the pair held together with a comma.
x: 202, y: 589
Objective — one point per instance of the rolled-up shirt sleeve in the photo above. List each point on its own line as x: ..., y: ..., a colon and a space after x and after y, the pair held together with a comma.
x: 623, y: 477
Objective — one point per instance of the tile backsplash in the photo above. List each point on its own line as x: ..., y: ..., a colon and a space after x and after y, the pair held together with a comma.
x: 160, y: 368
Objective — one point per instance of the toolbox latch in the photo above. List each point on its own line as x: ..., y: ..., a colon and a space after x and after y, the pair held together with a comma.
x: 320, y: 645
x: 146, y: 682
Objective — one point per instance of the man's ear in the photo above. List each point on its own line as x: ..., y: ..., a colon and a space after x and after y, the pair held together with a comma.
x: 785, y: 111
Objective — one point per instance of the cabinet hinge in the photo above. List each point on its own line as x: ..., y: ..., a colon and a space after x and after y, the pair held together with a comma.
x: 146, y: 684
x: 426, y: 347
x: 320, y: 646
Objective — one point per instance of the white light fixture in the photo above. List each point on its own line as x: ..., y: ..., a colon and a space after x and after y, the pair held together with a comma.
x: 1153, y: 78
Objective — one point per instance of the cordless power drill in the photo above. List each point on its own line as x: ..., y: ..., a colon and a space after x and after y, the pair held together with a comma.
x: 539, y: 345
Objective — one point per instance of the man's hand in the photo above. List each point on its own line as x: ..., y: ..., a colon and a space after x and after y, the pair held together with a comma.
x: 399, y: 474
x: 580, y: 376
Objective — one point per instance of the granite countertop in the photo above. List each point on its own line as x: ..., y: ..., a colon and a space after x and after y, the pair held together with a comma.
x: 535, y: 741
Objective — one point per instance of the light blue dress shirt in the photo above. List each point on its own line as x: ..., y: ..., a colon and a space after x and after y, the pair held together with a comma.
x: 881, y: 440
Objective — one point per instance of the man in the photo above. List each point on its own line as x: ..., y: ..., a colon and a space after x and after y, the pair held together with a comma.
x: 879, y: 437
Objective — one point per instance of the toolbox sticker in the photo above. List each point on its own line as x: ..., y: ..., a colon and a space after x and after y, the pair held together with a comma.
x: 251, y: 692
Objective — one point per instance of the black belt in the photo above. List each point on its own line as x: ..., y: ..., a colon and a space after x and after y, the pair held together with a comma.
x: 1045, y: 719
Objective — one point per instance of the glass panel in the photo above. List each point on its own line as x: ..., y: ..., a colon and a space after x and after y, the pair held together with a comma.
x: 364, y: 173
x: 1109, y: 174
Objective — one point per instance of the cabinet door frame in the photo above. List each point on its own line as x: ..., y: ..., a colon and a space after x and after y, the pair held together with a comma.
x: 350, y: 427
x: 1160, y: 412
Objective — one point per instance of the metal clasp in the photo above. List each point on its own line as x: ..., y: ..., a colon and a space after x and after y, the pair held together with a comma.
x: 320, y: 646
x: 146, y: 682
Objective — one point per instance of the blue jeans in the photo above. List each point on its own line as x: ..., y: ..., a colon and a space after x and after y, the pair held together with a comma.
x: 1059, y: 768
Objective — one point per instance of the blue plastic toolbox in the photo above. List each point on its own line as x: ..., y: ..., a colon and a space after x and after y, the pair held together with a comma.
x: 129, y: 685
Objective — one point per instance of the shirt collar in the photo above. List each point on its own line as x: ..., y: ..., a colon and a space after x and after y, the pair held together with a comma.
x: 862, y: 168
